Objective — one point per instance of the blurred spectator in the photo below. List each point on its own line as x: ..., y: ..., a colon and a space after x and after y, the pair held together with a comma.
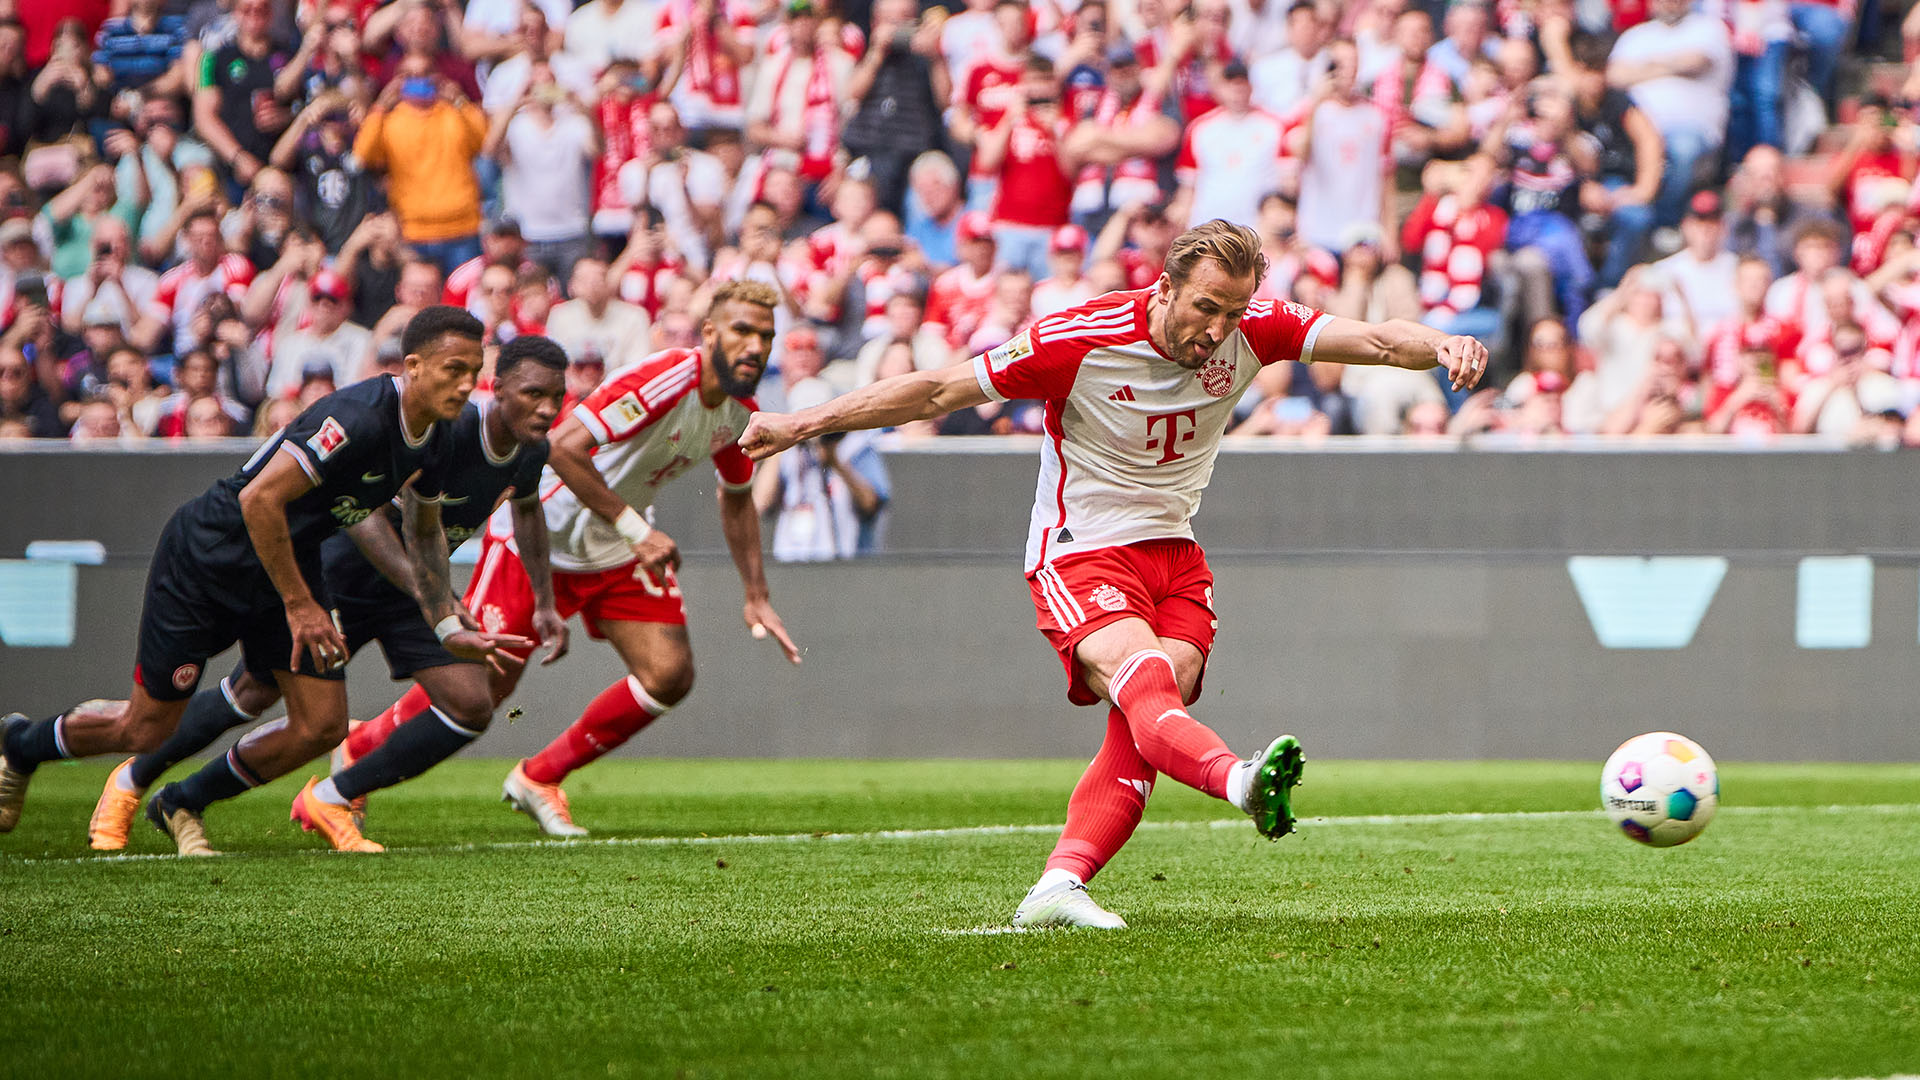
x: 1026, y: 151
x: 988, y: 87
x: 1456, y: 234
x: 1727, y: 346
x: 425, y: 134
x: 594, y: 324
x: 1872, y: 177
x: 688, y: 187
x: 1762, y: 36
x: 534, y: 292
x: 1678, y: 67
x: 1285, y: 78
x: 1752, y: 404
x: 1064, y: 286
x: 209, y: 268
x: 1701, y: 274
x: 830, y: 493
x: 1629, y: 158
x: 16, y: 99
x: 1548, y: 160
x: 1121, y: 141
x: 63, y: 94
x: 800, y: 94
x: 1836, y: 402
x: 1764, y: 220
x: 1468, y: 38
x: 22, y: 399
x: 195, y: 409
x: 713, y: 41
x: 328, y: 339
x: 1823, y: 26
x: 626, y: 95
x: 237, y: 107
x: 1625, y: 330
x: 958, y: 301
x: 138, y: 51
x: 546, y: 144
x: 905, y: 325
x: 261, y: 226
x: 333, y: 190
x: 1230, y: 157
x: 279, y: 295
x: 1198, y: 50
x: 136, y: 402
x: 1549, y: 360
x: 601, y: 30
x: 417, y: 286
x: 934, y: 207
x: 500, y: 245
x: 1798, y: 299
x: 899, y: 90
x: 511, y: 77
x: 216, y: 327
x: 75, y: 214
x: 113, y: 286
x: 1347, y: 175
x: 1008, y: 312
x: 1661, y: 399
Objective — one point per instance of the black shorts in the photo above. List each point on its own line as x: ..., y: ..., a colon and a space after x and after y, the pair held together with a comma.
x: 195, y: 609
x: 370, y: 608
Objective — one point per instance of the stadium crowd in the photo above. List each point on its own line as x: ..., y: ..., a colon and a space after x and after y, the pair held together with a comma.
x: 1662, y: 217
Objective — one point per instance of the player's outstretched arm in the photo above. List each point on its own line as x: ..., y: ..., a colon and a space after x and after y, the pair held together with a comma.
x: 1402, y: 343
x: 917, y: 395
x: 740, y: 522
x: 570, y: 452
x: 263, y: 505
x: 530, y: 536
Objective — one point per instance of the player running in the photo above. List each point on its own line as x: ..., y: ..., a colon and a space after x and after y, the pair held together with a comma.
x: 1139, y: 386
x: 495, y: 454
x: 646, y: 424
x: 241, y: 563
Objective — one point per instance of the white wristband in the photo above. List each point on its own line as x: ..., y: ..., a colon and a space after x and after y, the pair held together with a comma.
x: 448, y: 627
x: 631, y: 526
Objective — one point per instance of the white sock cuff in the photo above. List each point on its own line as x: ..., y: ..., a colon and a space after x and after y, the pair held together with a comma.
x: 1131, y: 665
x: 1055, y: 877
x: 448, y: 720
x: 226, y: 691
x: 645, y: 700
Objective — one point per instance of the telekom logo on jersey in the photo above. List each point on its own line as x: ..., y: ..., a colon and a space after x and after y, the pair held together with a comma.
x: 1179, y: 430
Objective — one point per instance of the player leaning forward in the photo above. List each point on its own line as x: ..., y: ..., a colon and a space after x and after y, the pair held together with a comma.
x: 1139, y: 386
x: 242, y: 563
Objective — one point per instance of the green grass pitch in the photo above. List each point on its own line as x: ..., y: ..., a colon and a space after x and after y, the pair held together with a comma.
x: 1785, y: 942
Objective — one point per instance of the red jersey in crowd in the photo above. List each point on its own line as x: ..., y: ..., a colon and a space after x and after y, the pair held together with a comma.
x: 991, y: 88
x: 958, y: 302
x: 182, y: 288
x: 1034, y: 189
x: 1454, y: 243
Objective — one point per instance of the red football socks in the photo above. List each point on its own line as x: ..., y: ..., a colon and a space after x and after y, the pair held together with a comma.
x: 1171, y: 741
x: 1106, y: 803
x: 615, y: 716
x: 375, y: 731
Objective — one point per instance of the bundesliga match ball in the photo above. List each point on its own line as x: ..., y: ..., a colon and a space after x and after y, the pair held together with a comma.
x: 1660, y: 788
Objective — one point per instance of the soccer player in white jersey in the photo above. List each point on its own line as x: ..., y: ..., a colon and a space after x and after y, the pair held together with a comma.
x: 646, y: 424
x: 1139, y: 386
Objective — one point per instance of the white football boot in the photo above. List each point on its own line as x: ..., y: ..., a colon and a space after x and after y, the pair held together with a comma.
x: 546, y: 804
x: 1064, y: 904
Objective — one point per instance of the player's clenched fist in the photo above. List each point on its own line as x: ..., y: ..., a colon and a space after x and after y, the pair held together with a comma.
x: 1464, y: 358
x: 768, y: 433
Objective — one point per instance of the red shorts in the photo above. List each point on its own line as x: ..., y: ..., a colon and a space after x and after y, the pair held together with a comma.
x: 1165, y: 582
x: 501, y: 597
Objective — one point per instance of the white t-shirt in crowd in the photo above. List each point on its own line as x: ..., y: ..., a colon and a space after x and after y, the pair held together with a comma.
x: 599, y: 31
x: 545, y: 181
x: 675, y: 188
x: 1281, y: 80
x: 128, y: 298
x: 510, y: 76
x: 1232, y: 163
x: 344, y: 350
x: 618, y: 337
x: 1340, y: 181
x: 1707, y: 287
x: 1673, y: 102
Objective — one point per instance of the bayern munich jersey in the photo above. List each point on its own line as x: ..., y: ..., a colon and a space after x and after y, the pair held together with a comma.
x: 1130, y: 435
x: 648, y: 426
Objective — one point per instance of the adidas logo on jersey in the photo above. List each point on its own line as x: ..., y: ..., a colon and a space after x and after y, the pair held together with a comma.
x: 1125, y: 393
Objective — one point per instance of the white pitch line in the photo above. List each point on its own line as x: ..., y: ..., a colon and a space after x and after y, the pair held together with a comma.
x: 1359, y: 820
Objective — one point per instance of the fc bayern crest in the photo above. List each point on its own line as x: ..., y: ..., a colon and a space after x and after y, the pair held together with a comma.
x: 1216, y: 376
x: 1108, y: 597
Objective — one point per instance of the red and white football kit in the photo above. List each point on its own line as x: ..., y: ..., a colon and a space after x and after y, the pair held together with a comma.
x: 648, y: 426
x: 958, y: 302
x: 1130, y: 443
x: 183, y: 288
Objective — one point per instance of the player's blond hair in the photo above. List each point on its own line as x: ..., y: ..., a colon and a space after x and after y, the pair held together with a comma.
x: 1235, y: 247
x: 745, y: 291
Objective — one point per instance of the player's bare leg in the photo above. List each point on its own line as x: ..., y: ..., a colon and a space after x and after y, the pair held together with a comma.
x: 659, y: 660
x: 1150, y: 680
x: 93, y: 727
x: 239, y: 699
x: 316, y: 719
x: 459, y: 708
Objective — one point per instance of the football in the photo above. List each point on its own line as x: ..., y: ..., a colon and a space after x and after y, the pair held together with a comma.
x: 1660, y: 788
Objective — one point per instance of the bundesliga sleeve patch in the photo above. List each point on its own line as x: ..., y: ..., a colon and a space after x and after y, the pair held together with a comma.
x: 328, y: 439
x: 1017, y: 348
x: 623, y: 414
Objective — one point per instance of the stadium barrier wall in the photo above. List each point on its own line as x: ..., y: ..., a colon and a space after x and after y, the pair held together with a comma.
x: 1382, y: 603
